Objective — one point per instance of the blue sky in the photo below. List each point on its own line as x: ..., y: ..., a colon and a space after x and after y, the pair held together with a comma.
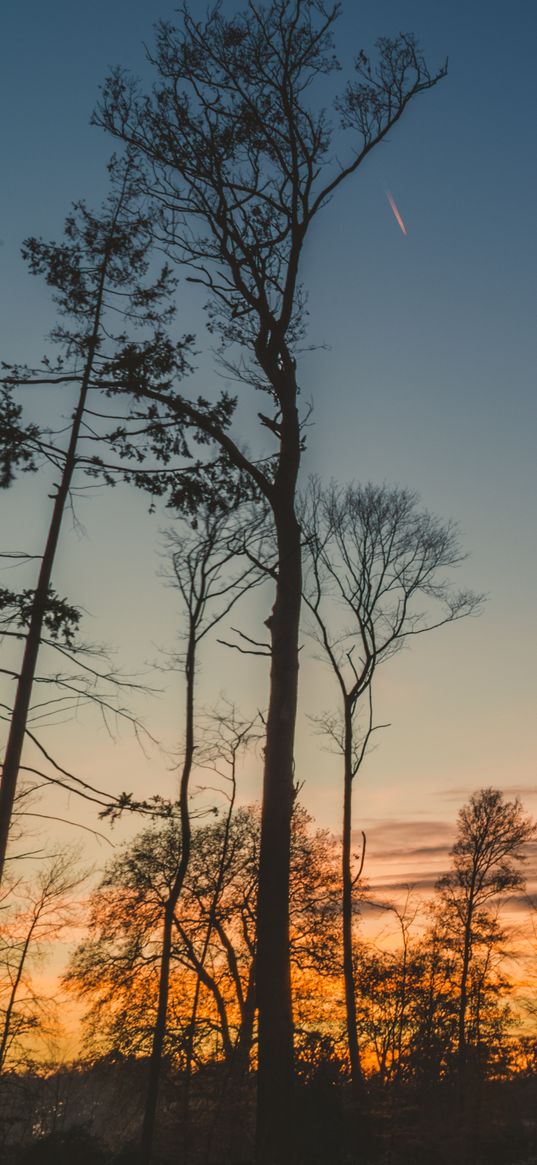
x: 427, y: 378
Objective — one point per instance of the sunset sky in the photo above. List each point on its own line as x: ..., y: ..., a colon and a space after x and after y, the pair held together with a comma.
x: 424, y: 376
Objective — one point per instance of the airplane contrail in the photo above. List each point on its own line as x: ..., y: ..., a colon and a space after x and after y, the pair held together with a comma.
x: 397, y: 216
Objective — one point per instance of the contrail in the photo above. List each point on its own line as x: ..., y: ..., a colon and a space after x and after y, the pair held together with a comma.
x: 397, y: 216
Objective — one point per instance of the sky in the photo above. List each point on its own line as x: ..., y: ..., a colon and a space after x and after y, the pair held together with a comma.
x: 422, y: 374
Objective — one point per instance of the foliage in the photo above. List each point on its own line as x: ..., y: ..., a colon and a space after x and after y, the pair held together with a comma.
x: 115, y: 968
x: 61, y: 619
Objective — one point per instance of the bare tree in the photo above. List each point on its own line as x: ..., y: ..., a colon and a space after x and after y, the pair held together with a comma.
x: 37, y: 915
x: 210, y: 576
x: 225, y: 738
x: 239, y: 166
x: 374, y: 579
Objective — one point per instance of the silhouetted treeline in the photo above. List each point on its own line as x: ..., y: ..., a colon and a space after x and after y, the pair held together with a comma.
x: 440, y: 1053
x: 90, y: 1113
x: 232, y: 158
x: 224, y: 976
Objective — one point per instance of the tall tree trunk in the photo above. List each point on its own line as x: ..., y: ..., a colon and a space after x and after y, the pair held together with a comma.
x: 401, y: 1017
x: 275, y: 1126
x: 21, y: 706
x: 347, y: 904
x: 463, y: 990
x: 200, y: 963
x: 159, y: 1031
x: 463, y: 1001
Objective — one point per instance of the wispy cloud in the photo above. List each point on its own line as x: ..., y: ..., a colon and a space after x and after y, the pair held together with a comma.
x: 388, y: 838
x: 461, y: 793
x: 421, y: 851
x: 416, y: 853
x: 403, y: 853
x: 406, y: 827
x: 413, y: 881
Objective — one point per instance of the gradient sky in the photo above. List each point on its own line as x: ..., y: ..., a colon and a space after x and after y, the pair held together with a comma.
x: 427, y: 380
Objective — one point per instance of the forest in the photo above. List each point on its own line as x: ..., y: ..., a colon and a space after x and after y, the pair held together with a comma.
x: 204, y: 972
x: 442, y: 1007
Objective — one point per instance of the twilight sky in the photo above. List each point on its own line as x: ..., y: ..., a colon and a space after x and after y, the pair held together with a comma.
x: 427, y: 380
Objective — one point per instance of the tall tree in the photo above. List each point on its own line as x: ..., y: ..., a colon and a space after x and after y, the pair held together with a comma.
x: 100, y: 268
x: 486, y: 868
x: 210, y: 576
x: 374, y: 579
x: 239, y: 165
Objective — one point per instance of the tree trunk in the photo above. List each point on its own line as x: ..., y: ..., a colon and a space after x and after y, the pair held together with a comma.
x: 402, y: 1004
x: 159, y: 1032
x: 463, y: 1005
x: 275, y: 1072
x: 463, y: 995
x: 348, y: 969
x: 245, y: 1038
x: 203, y: 977
x: 21, y: 706
x: 19, y: 719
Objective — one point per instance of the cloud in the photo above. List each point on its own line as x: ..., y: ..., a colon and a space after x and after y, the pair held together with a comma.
x: 421, y: 851
x: 407, y: 853
x: 412, y: 881
x: 416, y: 853
x: 387, y: 839
x: 395, y: 827
x: 520, y: 901
x: 463, y: 792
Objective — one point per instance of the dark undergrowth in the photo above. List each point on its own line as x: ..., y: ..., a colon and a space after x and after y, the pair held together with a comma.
x: 91, y: 1116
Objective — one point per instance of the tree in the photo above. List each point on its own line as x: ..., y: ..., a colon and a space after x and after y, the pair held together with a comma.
x: 435, y: 1012
x: 372, y: 556
x: 114, y: 967
x: 98, y: 269
x: 406, y: 1003
x: 36, y: 916
x: 211, y: 576
x: 239, y: 166
x: 486, y: 868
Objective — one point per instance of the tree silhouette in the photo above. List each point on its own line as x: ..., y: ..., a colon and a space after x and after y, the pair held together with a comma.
x: 374, y: 578
x: 238, y: 166
x: 486, y: 867
x: 115, y: 966
x: 100, y: 268
x: 34, y: 915
x: 210, y: 575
